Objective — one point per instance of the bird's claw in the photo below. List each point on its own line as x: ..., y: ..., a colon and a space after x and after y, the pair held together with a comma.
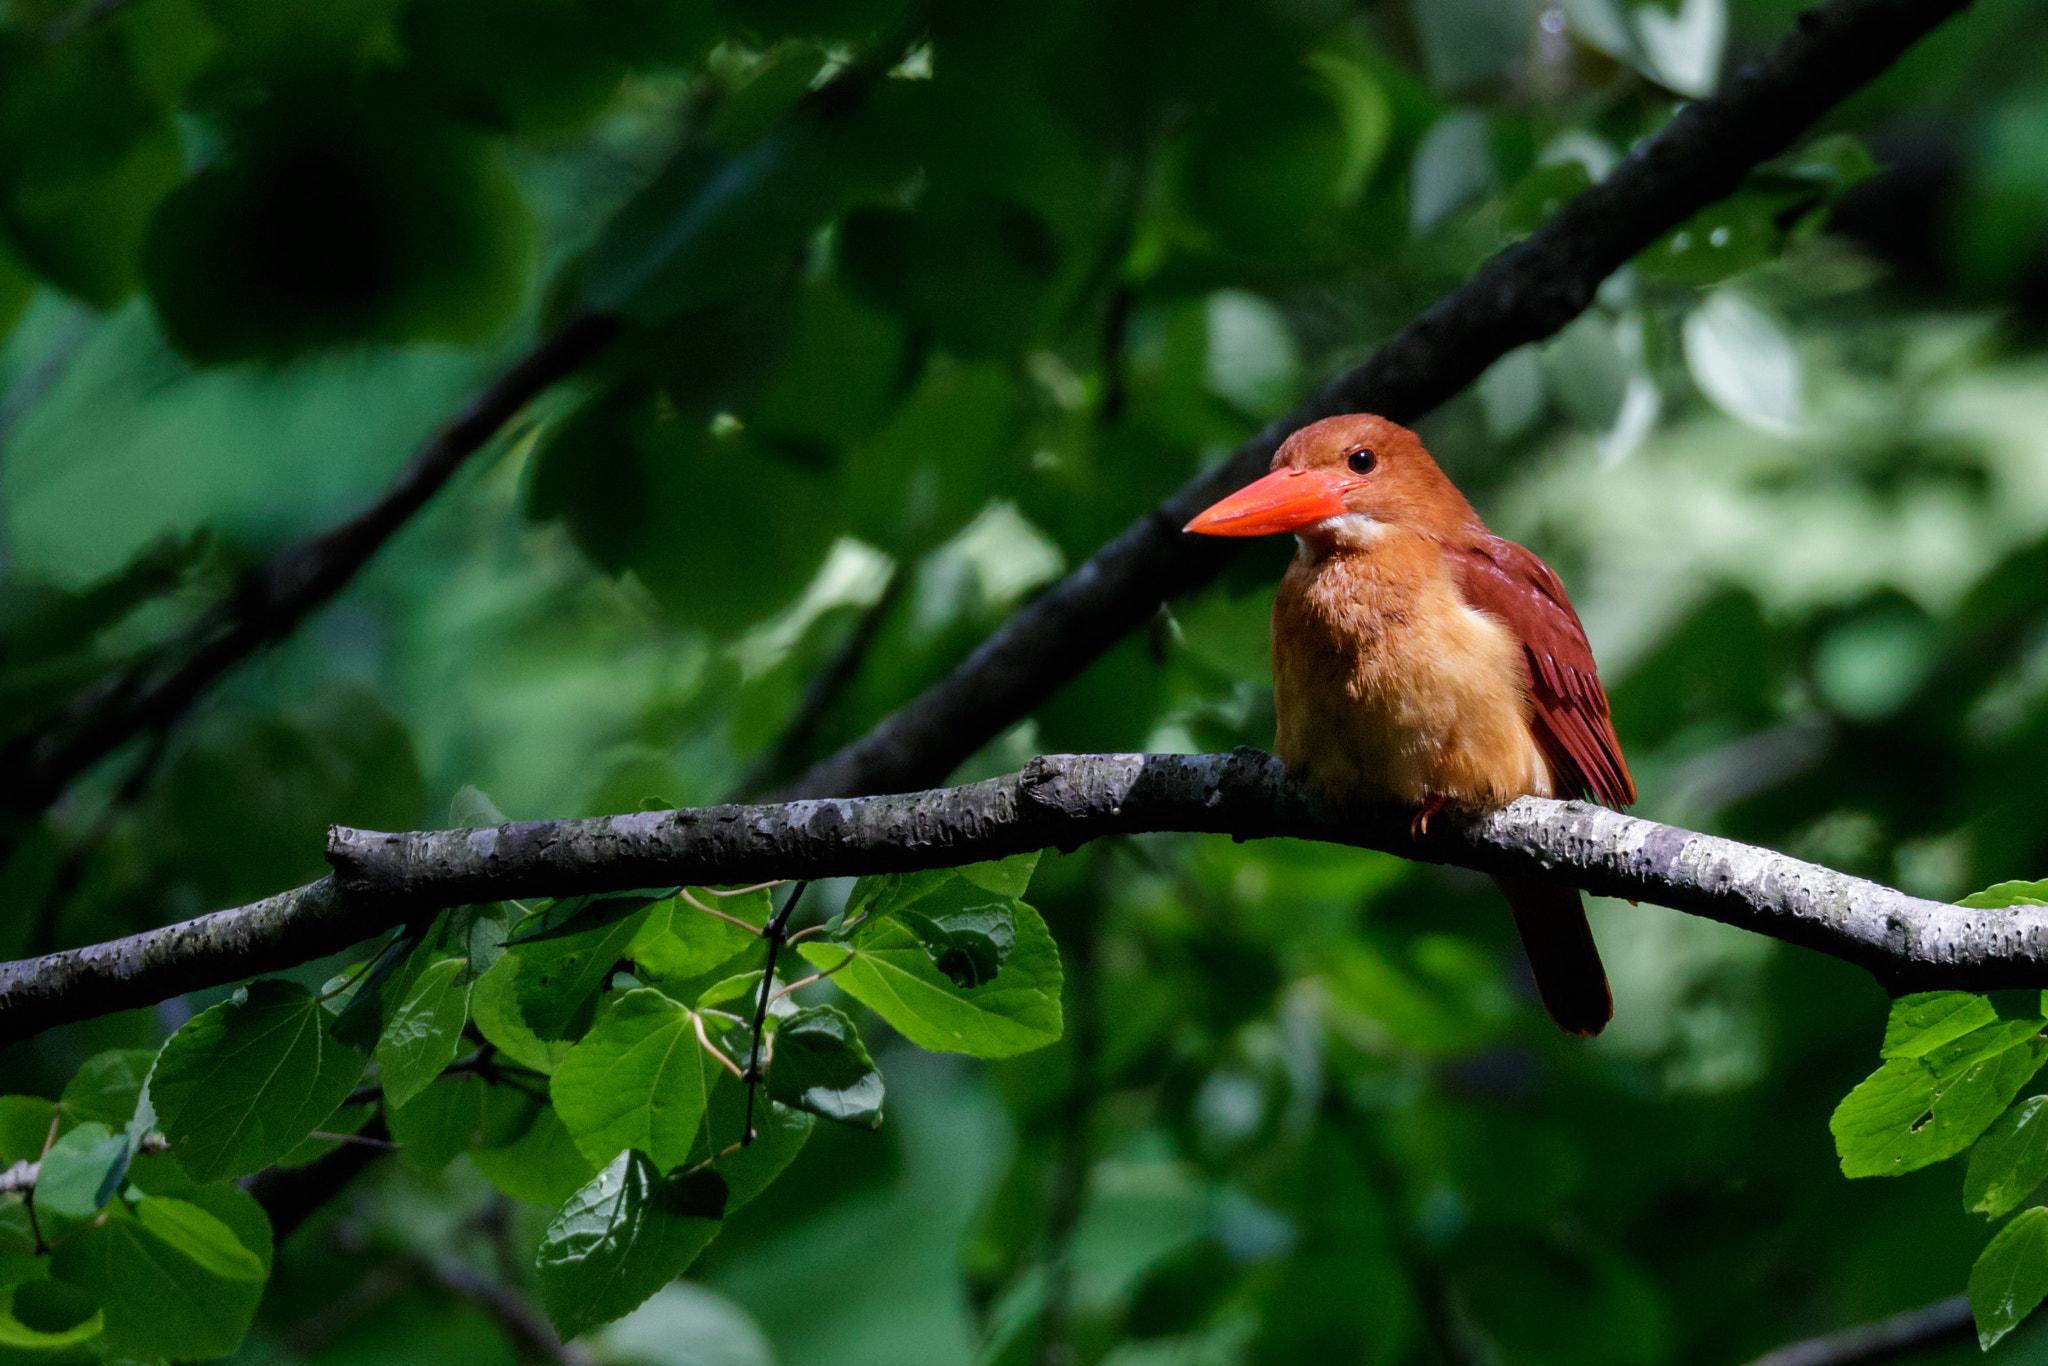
x: 1419, y: 826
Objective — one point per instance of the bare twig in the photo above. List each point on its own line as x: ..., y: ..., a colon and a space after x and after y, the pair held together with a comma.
x: 1522, y: 295
x: 773, y: 934
x: 728, y: 919
x: 1917, y: 1330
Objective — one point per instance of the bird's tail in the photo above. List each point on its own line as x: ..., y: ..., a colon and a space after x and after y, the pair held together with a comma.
x: 1566, y: 961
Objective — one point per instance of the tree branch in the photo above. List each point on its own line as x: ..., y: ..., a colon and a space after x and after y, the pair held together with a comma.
x: 1524, y: 294
x: 1063, y: 801
x: 1933, y: 1325
x: 274, y: 597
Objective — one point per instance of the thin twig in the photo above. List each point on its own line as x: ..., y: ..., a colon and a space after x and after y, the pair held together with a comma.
x: 1915, y: 1331
x: 728, y: 919
x: 713, y: 1049
x: 815, y: 977
x: 773, y: 933
x: 385, y: 1144
x: 745, y: 891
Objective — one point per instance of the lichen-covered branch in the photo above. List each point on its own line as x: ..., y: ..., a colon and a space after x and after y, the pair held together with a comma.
x: 1057, y: 801
x: 1522, y: 295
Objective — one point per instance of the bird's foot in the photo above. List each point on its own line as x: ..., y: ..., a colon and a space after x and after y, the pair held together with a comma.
x: 1419, y: 827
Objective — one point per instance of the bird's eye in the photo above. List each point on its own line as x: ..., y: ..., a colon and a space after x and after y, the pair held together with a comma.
x: 1362, y: 461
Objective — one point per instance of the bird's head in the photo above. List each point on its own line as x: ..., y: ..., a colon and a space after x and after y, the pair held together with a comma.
x: 1344, y: 481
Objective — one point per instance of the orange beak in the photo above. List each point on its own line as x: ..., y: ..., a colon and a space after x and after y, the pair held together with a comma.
x: 1285, y: 500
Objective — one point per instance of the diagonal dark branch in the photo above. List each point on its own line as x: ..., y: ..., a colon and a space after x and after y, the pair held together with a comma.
x: 1062, y: 801
x: 1940, y: 1324
x: 1522, y: 295
x: 274, y: 597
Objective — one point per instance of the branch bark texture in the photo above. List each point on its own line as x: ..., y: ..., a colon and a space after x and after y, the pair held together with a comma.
x: 1062, y: 801
x: 273, y: 598
x: 1526, y: 293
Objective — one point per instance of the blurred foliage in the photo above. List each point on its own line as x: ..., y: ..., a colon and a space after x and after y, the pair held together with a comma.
x: 925, y: 303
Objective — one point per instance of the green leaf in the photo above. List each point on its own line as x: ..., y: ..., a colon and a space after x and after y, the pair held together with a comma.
x: 542, y: 1165
x: 969, y: 944
x: 622, y: 1237
x: 82, y: 1171
x: 158, y: 1300
x: 242, y: 1083
x: 583, y: 914
x: 679, y: 941
x: 640, y: 1079
x: 455, y: 1114
x: 2010, y: 1161
x: 107, y: 1086
x: 558, y: 976
x: 730, y: 988
x: 714, y: 225
x: 494, y: 1003
x: 424, y: 1032
x: 361, y: 1022
x: 24, y: 1127
x: 2010, y: 1277
x: 45, y: 1315
x: 893, y: 975
x: 1721, y: 240
x: 1004, y: 876
x: 1913, y: 1111
x: 1541, y: 193
x: 1924, y: 1022
x: 821, y: 1065
x: 477, y: 935
x: 209, y: 1243
x: 2008, y: 894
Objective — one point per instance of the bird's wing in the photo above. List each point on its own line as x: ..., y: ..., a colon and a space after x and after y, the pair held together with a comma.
x: 1571, y: 719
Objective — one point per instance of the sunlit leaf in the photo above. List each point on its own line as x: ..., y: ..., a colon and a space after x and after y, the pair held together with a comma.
x: 1913, y: 1111
x: 2010, y: 1276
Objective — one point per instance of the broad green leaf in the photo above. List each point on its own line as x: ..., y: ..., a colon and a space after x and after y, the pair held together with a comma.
x: 107, y: 1086
x: 622, y: 1237
x: 2008, y: 894
x: 18, y: 1258
x: 1004, y: 876
x: 1913, y: 1111
x: 679, y: 941
x: 455, y: 1114
x: 821, y: 1065
x: 894, y: 976
x: 424, y: 1032
x: 639, y: 1079
x: 1923, y: 1022
x: 244, y: 1082
x: 158, y: 1301
x: 24, y: 1127
x: 364, y: 1006
x: 883, y: 894
x: 2010, y: 1277
x: 715, y: 224
x: 237, y: 1209
x: 82, y: 1171
x: 582, y: 915
x: 730, y: 988
x: 494, y: 1002
x: 558, y: 976
x: 45, y: 1315
x: 779, y: 1135
x: 542, y: 1165
x: 2010, y: 1161
x: 1541, y: 193
x: 970, y: 943
x: 209, y: 1243
x: 476, y: 935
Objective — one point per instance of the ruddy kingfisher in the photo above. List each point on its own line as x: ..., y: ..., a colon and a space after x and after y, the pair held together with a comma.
x: 1420, y: 659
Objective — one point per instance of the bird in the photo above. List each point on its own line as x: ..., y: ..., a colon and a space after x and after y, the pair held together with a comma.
x: 1419, y: 659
